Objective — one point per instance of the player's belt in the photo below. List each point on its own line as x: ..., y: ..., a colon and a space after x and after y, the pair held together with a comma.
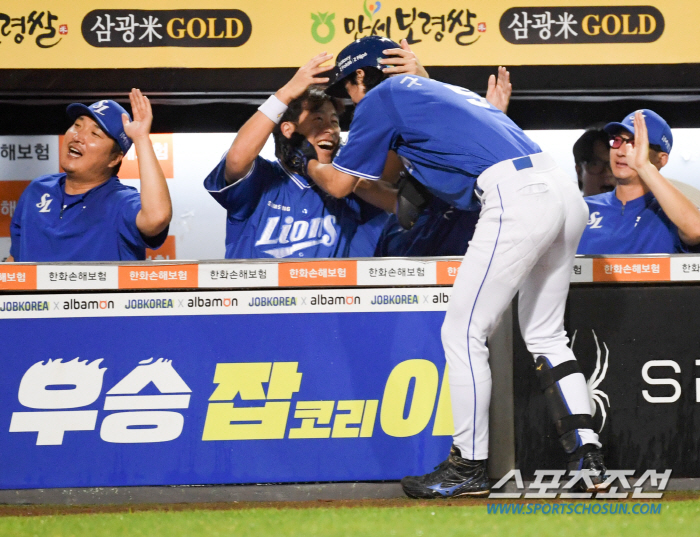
x: 522, y: 163
x: 491, y: 176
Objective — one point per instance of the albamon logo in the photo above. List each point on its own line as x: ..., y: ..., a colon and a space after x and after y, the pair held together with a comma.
x: 597, y: 395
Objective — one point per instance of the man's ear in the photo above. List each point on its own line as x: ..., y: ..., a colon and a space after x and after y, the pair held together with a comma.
x: 116, y: 160
x: 360, y: 76
x: 287, y: 129
x: 663, y: 159
x: 658, y: 158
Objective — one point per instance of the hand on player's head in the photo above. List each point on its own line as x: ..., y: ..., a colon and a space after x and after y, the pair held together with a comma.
x: 403, y: 61
x: 306, y: 76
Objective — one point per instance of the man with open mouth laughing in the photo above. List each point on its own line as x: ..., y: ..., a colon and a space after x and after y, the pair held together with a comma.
x: 85, y: 213
x: 274, y: 212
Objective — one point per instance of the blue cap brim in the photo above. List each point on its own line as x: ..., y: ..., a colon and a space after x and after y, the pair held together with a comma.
x: 76, y: 110
x: 615, y: 127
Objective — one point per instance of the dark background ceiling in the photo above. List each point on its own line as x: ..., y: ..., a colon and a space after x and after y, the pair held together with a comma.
x: 220, y: 100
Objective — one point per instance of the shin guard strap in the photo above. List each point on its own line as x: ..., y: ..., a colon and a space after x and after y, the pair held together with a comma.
x: 572, y: 422
x: 549, y: 376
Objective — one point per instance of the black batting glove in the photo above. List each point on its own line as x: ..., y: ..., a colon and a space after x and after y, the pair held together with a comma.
x: 297, y: 151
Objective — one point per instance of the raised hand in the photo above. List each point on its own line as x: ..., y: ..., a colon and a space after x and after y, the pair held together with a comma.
x: 142, y: 115
x: 306, y: 76
x: 403, y: 61
x: 500, y: 89
x: 638, y: 153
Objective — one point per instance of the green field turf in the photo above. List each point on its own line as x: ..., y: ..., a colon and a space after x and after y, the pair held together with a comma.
x: 677, y: 519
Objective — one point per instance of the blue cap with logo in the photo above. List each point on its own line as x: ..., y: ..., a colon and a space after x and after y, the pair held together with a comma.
x: 363, y: 52
x: 108, y: 116
x: 658, y: 129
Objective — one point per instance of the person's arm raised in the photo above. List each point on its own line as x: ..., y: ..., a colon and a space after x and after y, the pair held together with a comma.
x: 677, y: 207
x: 156, y: 207
x: 254, y: 133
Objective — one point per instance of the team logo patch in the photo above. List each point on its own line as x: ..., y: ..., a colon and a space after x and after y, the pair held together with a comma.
x: 45, y: 204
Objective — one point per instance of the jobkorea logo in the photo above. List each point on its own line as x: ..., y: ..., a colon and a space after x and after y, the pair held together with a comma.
x: 57, y: 393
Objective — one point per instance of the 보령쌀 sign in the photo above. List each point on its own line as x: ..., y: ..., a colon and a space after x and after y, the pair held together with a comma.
x: 248, y: 34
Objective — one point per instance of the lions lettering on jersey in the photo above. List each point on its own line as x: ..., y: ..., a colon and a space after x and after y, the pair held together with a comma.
x: 299, y: 234
x: 272, y: 212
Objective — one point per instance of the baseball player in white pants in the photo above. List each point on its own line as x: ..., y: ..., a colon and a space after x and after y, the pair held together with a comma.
x: 528, y: 231
x: 460, y: 147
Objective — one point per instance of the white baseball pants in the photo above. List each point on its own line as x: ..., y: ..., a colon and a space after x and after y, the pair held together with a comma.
x: 528, y: 230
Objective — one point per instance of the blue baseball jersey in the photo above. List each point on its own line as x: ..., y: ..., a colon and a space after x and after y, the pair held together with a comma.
x: 446, y: 136
x: 99, y: 225
x: 368, y: 234
x: 272, y: 212
x: 638, y: 227
x: 440, y: 230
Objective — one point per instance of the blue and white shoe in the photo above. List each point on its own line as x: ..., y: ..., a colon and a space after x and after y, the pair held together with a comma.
x: 452, y: 478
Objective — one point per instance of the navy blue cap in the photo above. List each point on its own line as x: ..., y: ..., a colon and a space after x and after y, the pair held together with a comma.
x: 108, y: 116
x: 364, y: 52
x: 658, y: 129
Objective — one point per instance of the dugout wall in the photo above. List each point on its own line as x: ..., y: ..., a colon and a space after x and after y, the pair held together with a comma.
x: 316, y: 371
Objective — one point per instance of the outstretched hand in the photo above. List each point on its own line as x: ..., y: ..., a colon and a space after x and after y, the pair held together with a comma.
x: 403, y: 61
x: 306, y: 76
x: 500, y: 89
x: 142, y: 115
x: 638, y: 152
x: 297, y: 151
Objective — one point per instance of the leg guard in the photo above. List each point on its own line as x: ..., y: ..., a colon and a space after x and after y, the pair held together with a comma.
x: 565, y: 422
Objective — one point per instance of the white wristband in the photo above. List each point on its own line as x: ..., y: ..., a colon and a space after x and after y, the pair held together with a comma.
x: 273, y: 108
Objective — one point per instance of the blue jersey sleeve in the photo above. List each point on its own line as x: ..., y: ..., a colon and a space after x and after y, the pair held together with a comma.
x: 371, y: 136
x: 242, y: 197
x: 16, y: 229
x: 129, y: 231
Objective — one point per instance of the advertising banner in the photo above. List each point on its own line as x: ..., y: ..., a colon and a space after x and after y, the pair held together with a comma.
x: 640, y: 353
x: 190, y: 388
x: 250, y: 34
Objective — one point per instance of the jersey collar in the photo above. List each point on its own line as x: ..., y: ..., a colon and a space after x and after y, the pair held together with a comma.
x: 297, y: 179
x: 643, y: 200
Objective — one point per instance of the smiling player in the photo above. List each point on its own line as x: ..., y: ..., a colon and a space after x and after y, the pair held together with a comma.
x: 274, y: 212
x: 86, y: 214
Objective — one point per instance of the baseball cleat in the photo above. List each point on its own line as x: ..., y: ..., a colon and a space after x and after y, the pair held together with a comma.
x: 452, y: 478
x: 589, y: 457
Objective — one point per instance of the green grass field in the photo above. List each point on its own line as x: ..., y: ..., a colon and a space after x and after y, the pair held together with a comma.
x: 677, y: 519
